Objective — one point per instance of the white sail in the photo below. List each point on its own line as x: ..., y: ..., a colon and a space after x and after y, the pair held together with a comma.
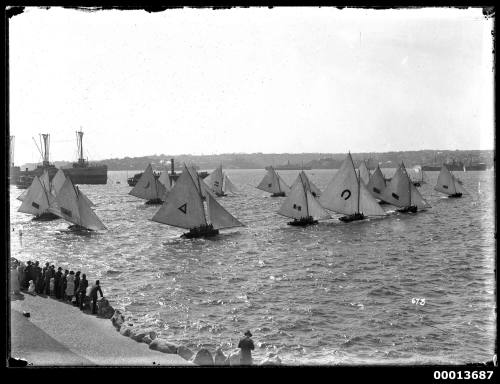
x: 215, y: 180
x: 57, y: 182
x: 315, y: 209
x: 295, y: 205
x: 368, y: 206
x: 273, y: 183
x: 342, y: 193
x: 397, y: 191
x: 459, y: 187
x: 67, y: 203
x: 87, y: 200
x: 200, y: 184
x: 148, y: 187
x: 308, y: 184
x: 165, y: 180
x: 45, y: 180
x: 36, y: 201
x: 229, y: 186
x: 219, y: 217
x: 377, y: 185
x: 417, y: 199
x: 184, y: 207
x: 445, y: 182
x: 88, y: 218
x: 364, y: 173
x: 22, y: 196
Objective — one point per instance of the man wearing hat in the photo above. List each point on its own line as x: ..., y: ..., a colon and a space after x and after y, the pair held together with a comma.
x: 246, y: 345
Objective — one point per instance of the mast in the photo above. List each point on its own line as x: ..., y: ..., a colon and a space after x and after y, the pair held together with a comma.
x: 305, y: 193
x: 11, y: 151
x: 79, y: 143
x: 201, y: 196
x: 45, y: 149
x: 359, y: 188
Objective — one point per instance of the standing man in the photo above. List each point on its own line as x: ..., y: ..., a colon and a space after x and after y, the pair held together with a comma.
x: 58, y: 283
x: 246, y: 345
x: 82, y: 288
x: 93, y: 296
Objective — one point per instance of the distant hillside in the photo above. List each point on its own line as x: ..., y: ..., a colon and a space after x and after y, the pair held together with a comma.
x: 313, y: 160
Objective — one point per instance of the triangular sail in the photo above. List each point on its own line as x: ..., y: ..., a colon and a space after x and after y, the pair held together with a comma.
x: 215, y: 180
x: 164, y: 179
x: 367, y: 203
x: 295, y: 205
x: 22, y: 196
x: 364, y: 173
x: 417, y: 199
x: 184, y: 208
x: 219, y: 217
x: 88, y: 218
x: 67, y: 203
x: 377, y: 184
x: 229, y: 186
x: 342, y: 193
x: 200, y: 184
x: 273, y: 183
x: 397, y: 191
x: 148, y: 187
x: 316, y: 211
x: 459, y: 187
x: 36, y: 201
x: 445, y: 182
x: 308, y: 184
x: 45, y: 180
x: 57, y: 182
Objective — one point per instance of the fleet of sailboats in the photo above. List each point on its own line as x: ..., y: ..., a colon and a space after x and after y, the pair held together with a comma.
x: 149, y: 188
x: 185, y: 208
x: 347, y: 194
x: 448, y: 184
x: 191, y: 203
x: 273, y: 183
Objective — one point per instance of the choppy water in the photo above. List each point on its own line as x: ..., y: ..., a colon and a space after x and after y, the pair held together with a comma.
x: 335, y: 293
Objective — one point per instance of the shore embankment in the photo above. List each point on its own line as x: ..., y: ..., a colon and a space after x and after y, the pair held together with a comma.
x: 57, y: 333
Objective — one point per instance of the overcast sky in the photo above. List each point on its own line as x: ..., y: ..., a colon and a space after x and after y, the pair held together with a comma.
x: 276, y: 80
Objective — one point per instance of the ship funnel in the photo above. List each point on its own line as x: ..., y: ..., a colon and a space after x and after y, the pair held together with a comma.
x: 172, y: 167
x: 45, y: 148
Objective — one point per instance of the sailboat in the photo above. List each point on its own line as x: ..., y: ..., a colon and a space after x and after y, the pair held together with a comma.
x: 401, y: 193
x: 272, y: 182
x: 347, y: 194
x: 309, y: 185
x: 149, y: 188
x: 38, y: 199
x: 71, y: 206
x: 219, y: 183
x: 449, y: 184
x: 364, y: 173
x: 301, y: 205
x: 377, y: 184
x: 185, y: 208
x: 420, y: 178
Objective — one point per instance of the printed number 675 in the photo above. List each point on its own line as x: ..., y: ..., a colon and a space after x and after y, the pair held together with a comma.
x: 417, y: 301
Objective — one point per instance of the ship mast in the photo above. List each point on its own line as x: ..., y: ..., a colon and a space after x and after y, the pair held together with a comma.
x: 46, y: 147
x: 79, y: 143
x: 11, y: 151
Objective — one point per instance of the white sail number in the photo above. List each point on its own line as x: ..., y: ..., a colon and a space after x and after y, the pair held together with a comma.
x: 418, y: 301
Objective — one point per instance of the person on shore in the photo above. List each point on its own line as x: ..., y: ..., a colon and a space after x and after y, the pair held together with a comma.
x: 31, y: 288
x: 27, y: 275
x: 58, y: 283
x: 76, y: 290
x: 246, y: 346
x: 70, y: 286
x: 20, y: 274
x: 82, y: 288
x: 38, y: 279
x: 63, y: 285
x: 52, y: 286
x: 14, y: 280
x: 51, y: 273
x: 93, y: 296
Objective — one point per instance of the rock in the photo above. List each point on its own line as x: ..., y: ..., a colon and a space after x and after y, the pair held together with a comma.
x: 220, y: 358
x: 104, y: 309
x: 275, y: 360
x: 184, y: 352
x: 125, y: 330
x: 117, y: 319
x: 233, y: 358
x: 146, y: 339
x: 203, y: 357
x: 138, y: 334
x: 163, y: 345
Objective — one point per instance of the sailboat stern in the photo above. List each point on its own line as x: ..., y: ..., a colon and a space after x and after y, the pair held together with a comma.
x: 354, y: 217
x: 409, y: 209
x: 278, y: 194
x: 303, y: 222
x: 201, y: 231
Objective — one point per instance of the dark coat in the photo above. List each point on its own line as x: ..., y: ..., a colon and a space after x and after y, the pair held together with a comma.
x: 246, y: 345
x: 94, y: 290
x: 82, y: 287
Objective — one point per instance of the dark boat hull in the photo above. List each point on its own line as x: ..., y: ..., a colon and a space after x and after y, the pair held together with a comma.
x: 410, y: 209
x: 87, y: 175
x: 354, y: 217
x: 202, y: 231
x: 302, y: 222
x: 279, y: 194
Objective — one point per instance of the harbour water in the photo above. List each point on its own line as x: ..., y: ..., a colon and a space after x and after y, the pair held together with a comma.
x: 405, y: 289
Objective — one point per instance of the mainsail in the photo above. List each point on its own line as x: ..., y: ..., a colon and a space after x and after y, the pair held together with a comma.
x: 348, y: 195
x: 58, y: 181
x: 70, y: 205
x: 309, y: 185
x: 272, y: 182
x: 215, y: 180
x: 364, y: 173
x: 165, y: 180
x: 36, y: 201
x: 148, y: 187
x: 447, y: 183
x: 301, y: 204
x: 219, y: 217
x: 377, y: 184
